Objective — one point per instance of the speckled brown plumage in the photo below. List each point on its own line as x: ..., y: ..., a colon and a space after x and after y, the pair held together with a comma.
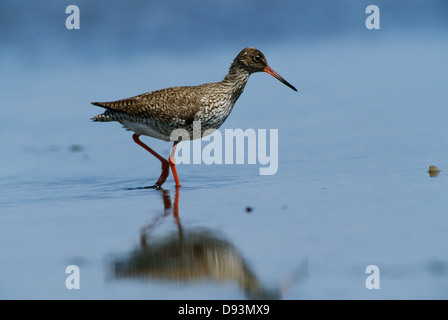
x: 158, y: 113
x: 165, y: 110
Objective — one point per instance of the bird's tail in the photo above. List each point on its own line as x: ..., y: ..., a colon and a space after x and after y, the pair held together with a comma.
x: 109, y: 115
x: 101, y: 117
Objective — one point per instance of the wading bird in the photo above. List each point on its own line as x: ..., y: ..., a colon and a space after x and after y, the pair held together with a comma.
x: 158, y: 113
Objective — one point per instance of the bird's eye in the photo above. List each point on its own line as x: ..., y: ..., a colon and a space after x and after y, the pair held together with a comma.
x: 257, y: 58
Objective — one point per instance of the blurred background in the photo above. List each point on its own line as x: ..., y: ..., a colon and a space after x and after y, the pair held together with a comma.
x: 355, y: 145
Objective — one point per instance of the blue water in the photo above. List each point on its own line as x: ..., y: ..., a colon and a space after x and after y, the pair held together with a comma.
x: 355, y: 144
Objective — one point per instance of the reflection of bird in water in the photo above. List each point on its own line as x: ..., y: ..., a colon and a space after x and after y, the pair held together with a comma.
x: 189, y: 256
x: 197, y: 256
x: 159, y: 113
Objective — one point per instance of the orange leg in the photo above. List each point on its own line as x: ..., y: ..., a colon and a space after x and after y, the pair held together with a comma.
x: 172, y: 162
x: 165, y: 164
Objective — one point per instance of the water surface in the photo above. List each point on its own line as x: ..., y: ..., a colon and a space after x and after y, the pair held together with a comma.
x: 352, y: 188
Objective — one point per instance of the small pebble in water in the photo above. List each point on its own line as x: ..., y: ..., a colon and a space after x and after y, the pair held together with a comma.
x: 433, y: 171
x: 75, y: 148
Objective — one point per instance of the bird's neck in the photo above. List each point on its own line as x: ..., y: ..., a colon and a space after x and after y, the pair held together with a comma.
x: 235, y: 81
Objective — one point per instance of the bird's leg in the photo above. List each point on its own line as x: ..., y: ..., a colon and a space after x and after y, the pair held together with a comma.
x: 165, y: 164
x: 172, y: 162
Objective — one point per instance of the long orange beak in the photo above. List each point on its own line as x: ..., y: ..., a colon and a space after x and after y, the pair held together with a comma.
x: 279, y: 77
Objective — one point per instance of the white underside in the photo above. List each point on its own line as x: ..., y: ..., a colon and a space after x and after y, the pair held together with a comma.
x: 143, y: 129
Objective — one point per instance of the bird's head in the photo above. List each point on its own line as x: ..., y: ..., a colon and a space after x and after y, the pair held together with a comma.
x: 253, y: 60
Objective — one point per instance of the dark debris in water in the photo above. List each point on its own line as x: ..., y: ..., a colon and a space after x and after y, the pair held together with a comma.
x: 76, y: 148
x: 438, y: 268
x: 433, y: 171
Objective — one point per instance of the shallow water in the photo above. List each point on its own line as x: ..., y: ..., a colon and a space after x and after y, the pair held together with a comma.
x: 352, y: 187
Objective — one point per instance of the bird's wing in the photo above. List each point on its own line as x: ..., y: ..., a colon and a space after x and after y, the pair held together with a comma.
x: 165, y: 104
